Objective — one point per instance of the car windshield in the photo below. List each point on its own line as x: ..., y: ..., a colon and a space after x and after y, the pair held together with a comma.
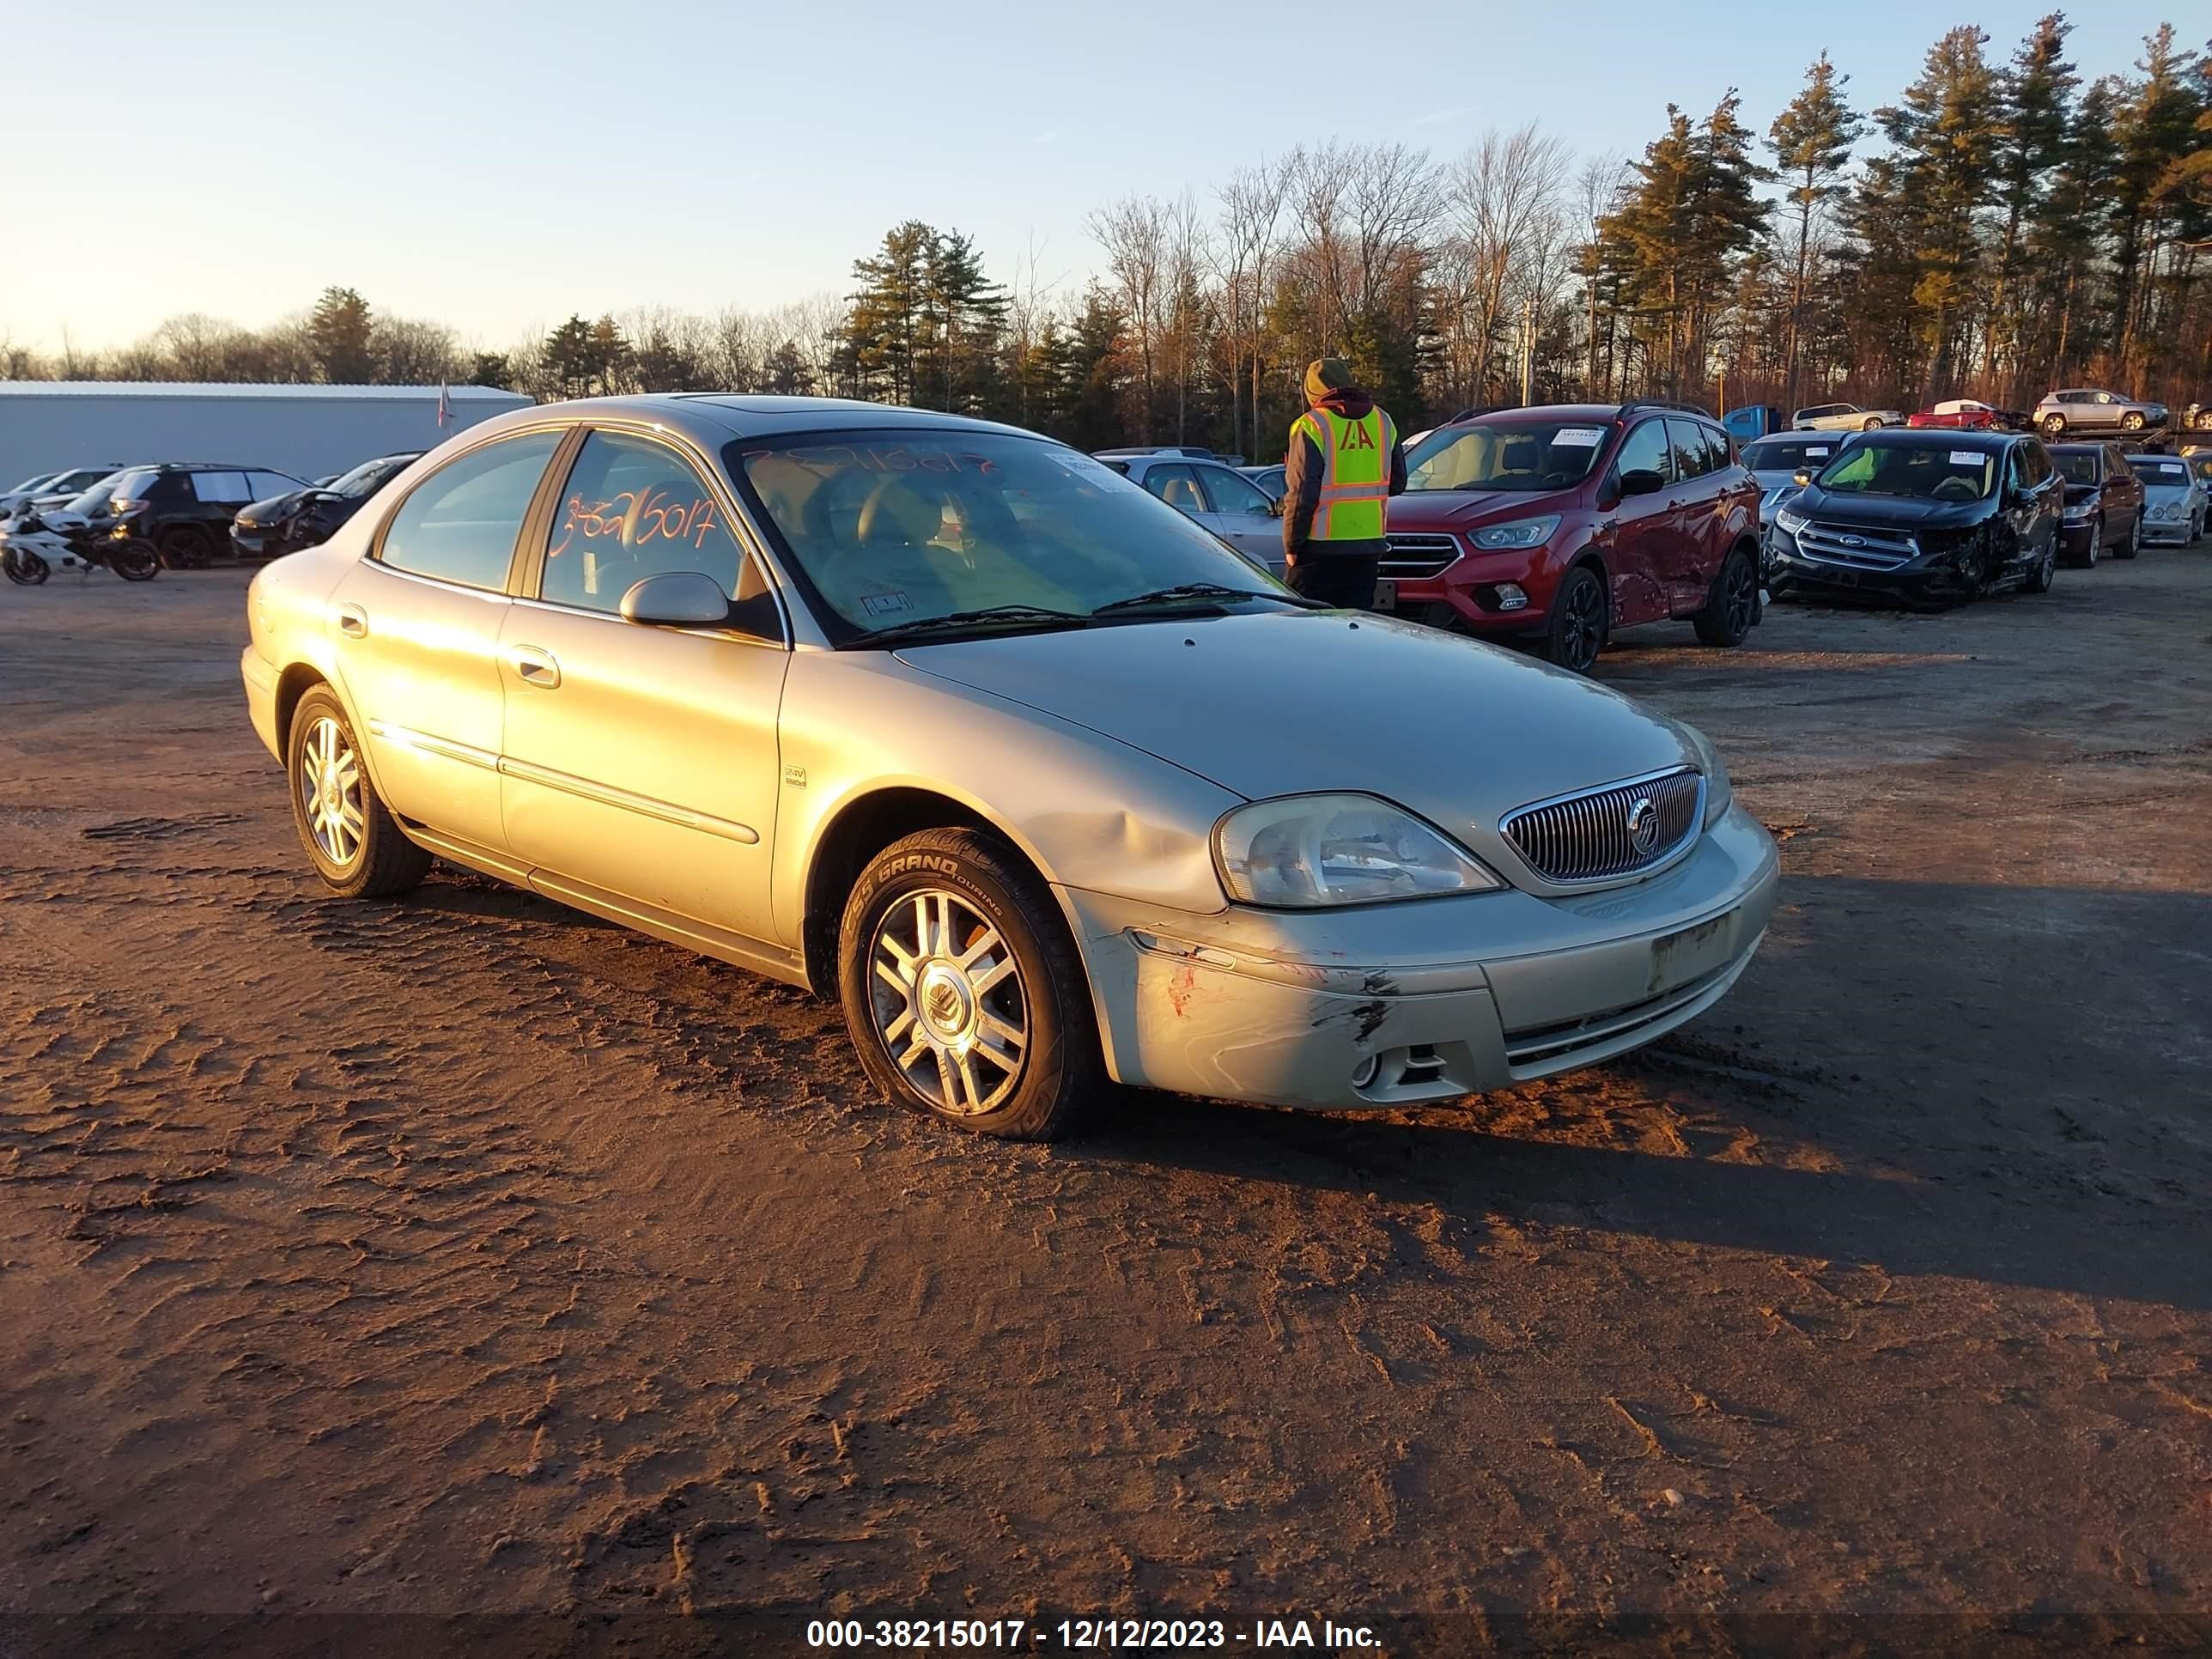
x: 890, y: 531
x: 1925, y: 471
x: 95, y: 499
x: 364, y: 479
x: 2077, y: 466
x: 2173, y: 474
x: 33, y: 483
x: 1788, y: 454
x: 1528, y: 453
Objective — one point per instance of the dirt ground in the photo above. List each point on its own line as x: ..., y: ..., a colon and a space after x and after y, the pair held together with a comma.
x: 462, y: 1274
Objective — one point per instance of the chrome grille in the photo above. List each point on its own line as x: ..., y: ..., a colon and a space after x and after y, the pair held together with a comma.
x: 1587, y: 837
x: 1858, y: 546
x: 1413, y: 557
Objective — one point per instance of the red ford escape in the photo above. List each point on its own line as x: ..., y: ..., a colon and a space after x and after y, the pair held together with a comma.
x: 1556, y: 525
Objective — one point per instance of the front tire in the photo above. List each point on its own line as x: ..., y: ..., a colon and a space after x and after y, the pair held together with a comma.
x: 2132, y: 421
x: 2096, y: 546
x: 1577, y: 633
x: 357, y: 848
x: 1732, y: 605
x: 2053, y: 425
x: 963, y: 992
x: 185, y: 547
x: 2133, y: 545
x: 25, y: 569
x: 2044, y: 571
x: 1872, y: 424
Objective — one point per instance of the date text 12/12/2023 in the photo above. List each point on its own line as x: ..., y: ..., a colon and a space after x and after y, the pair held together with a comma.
x: 1313, y: 1634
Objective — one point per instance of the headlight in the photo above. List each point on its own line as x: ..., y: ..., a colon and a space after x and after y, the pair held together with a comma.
x: 2079, y: 509
x: 2169, y: 511
x: 1789, y: 522
x: 1304, y: 851
x: 1521, y: 532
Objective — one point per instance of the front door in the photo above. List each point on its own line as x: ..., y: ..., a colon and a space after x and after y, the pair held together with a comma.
x: 417, y: 629
x: 1641, y: 526
x: 1240, y: 513
x: 641, y: 761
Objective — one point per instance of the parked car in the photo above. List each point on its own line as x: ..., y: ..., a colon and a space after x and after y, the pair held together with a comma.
x: 1218, y: 497
x: 2174, y: 500
x: 302, y: 518
x: 185, y: 509
x: 2200, y: 463
x: 53, y: 488
x: 1923, y: 516
x: 1844, y: 417
x: 1781, y: 464
x: 1189, y: 451
x: 546, y: 656
x: 1271, y: 479
x: 2085, y: 409
x: 1971, y: 415
x: 2104, y: 502
x: 1555, y: 526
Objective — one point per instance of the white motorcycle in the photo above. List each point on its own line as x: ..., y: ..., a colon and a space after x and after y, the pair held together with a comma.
x: 31, y: 550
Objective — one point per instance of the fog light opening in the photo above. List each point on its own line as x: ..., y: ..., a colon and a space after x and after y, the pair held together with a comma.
x: 1364, y: 1073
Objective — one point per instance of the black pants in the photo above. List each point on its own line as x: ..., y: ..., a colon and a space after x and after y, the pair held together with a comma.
x: 1347, y: 579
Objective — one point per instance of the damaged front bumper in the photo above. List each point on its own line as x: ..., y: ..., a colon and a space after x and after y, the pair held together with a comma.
x: 1396, y: 1004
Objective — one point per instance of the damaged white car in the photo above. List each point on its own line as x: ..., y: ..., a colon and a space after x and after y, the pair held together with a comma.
x: 1047, y: 784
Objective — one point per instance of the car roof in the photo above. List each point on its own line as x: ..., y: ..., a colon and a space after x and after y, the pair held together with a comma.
x: 712, y: 418
x: 1937, y: 437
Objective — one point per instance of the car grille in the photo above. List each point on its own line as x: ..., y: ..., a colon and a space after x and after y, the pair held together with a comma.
x: 1413, y: 557
x: 1587, y: 837
x: 1861, y: 548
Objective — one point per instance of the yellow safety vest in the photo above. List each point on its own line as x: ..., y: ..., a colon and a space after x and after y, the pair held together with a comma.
x: 1355, y: 472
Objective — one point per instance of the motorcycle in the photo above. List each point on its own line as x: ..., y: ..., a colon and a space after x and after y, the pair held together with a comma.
x: 31, y: 550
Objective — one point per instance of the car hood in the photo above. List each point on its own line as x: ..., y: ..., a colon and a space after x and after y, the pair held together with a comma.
x: 1452, y: 509
x: 1903, y: 511
x: 1291, y: 702
x: 1776, y: 478
x: 276, y: 507
x: 2167, y: 492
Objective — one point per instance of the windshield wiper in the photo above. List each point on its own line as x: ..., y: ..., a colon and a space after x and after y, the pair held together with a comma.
x: 922, y: 627
x: 1168, y: 596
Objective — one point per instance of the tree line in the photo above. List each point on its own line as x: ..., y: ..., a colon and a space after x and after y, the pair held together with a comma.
x: 2007, y: 224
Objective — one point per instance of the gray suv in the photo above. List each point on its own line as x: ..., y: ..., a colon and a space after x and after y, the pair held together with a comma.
x: 2085, y: 409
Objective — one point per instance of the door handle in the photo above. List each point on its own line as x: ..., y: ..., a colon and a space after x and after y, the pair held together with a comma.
x: 534, y: 666
x: 353, y: 622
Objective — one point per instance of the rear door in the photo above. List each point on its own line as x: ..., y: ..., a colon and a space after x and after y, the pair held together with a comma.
x: 641, y: 762
x: 1242, y: 516
x: 416, y: 629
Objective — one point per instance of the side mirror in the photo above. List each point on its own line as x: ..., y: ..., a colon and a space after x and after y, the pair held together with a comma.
x: 1641, y: 481
x: 1801, y: 477
x: 677, y: 598
x: 1277, y: 507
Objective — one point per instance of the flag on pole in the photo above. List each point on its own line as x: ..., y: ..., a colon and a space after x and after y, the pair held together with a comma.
x: 445, y: 407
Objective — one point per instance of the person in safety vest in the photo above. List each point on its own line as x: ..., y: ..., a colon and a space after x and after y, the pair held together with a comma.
x: 1343, y: 462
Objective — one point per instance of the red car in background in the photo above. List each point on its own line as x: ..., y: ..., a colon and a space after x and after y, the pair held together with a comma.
x: 1971, y: 415
x: 1557, y: 525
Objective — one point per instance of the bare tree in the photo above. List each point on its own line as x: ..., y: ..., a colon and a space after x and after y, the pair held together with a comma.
x: 1134, y: 232
x: 1251, y: 216
x: 411, y: 352
x: 1504, y: 194
x: 1597, y: 194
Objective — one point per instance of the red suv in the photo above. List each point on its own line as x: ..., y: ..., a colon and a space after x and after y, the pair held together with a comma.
x: 1558, y: 524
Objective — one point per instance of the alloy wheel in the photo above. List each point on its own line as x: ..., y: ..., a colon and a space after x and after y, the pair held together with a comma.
x: 948, y: 1002
x: 1579, y: 638
x: 1742, y: 596
x: 330, y: 793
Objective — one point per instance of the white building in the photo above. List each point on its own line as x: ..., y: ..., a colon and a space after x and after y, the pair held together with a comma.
x: 305, y: 430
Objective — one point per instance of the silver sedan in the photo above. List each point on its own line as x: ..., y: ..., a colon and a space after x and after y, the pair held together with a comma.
x: 1043, y: 781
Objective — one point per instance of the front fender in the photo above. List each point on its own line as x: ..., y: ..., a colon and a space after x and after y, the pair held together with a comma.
x: 1086, y: 810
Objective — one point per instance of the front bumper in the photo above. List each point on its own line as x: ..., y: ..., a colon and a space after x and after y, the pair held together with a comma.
x: 260, y: 679
x: 1928, y: 577
x: 1397, y: 1004
x: 1473, y: 593
x: 2170, y: 532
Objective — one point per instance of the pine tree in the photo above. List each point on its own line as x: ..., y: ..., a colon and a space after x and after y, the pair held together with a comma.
x: 2156, y: 128
x: 885, y: 335
x: 1943, y: 132
x: 2035, y: 105
x: 339, y: 333
x: 1812, y: 141
x: 569, y: 357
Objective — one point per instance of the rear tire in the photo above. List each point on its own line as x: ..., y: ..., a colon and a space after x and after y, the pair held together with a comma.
x: 134, y: 561
x: 184, y: 547
x: 1732, y: 605
x: 353, y: 841
x: 2133, y: 545
x: 1872, y: 424
x: 963, y: 992
x: 1578, y: 629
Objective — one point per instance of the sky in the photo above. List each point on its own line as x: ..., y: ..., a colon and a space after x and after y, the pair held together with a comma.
x: 495, y: 168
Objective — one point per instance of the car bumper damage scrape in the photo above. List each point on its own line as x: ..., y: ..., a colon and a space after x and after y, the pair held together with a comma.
x: 1397, y: 1004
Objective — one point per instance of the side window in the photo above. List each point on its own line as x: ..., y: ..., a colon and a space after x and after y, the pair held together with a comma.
x: 461, y: 523
x: 220, y: 488
x: 1689, y: 447
x: 1716, y: 448
x: 1645, y: 450
x: 632, y: 508
x: 1230, y: 492
x: 1176, y: 485
x: 2017, y: 466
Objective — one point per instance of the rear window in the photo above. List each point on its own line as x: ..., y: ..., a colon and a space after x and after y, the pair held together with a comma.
x: 1524, y: 453
x: 1787, y: 454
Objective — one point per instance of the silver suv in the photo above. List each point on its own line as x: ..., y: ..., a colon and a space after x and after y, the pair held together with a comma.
x: 2085, y: 409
